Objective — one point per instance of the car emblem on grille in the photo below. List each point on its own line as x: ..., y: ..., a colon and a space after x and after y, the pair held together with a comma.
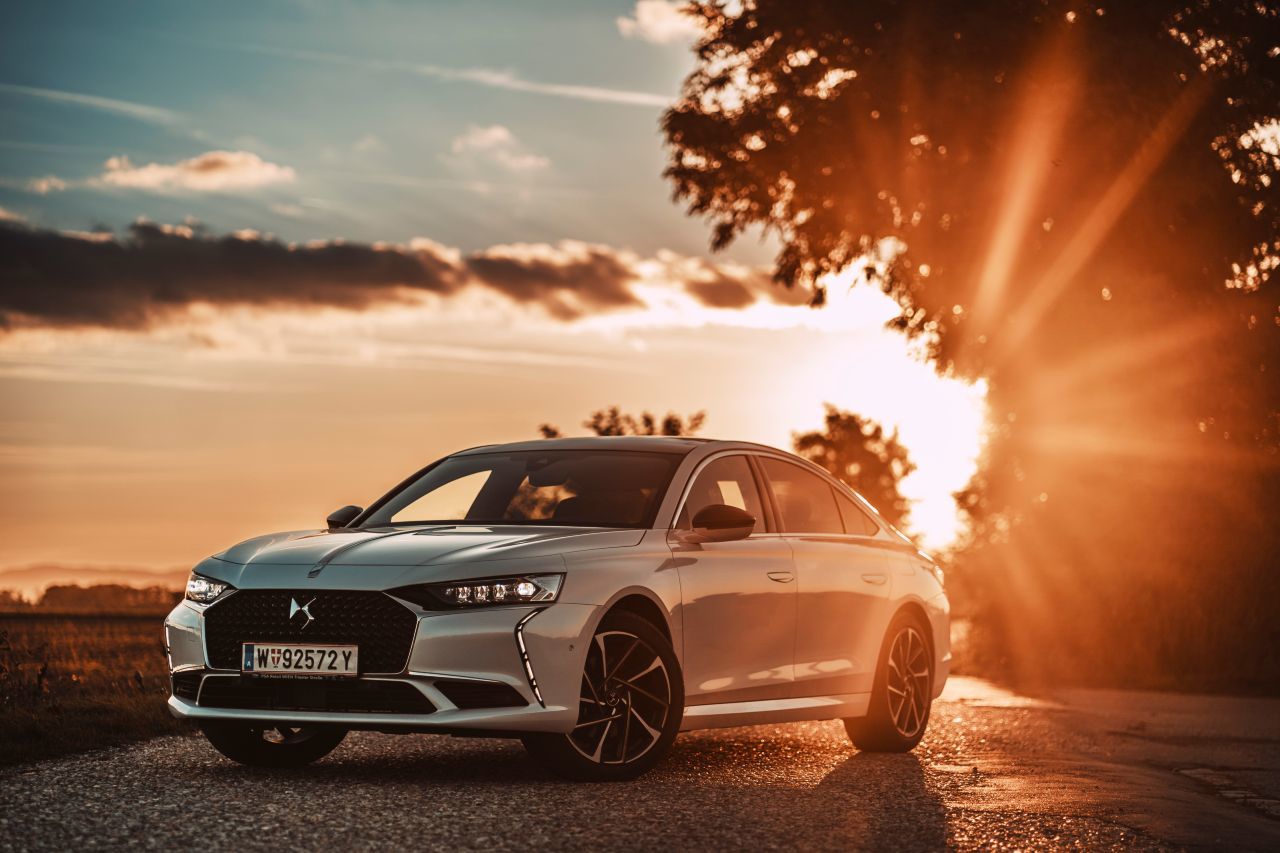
x: 305, y: 609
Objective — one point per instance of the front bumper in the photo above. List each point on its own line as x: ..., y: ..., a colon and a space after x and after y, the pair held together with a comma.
x: 479, y: 646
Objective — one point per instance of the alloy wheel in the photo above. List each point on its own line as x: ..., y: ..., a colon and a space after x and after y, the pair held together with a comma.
x: 909, y: 682
x: 624, y: 702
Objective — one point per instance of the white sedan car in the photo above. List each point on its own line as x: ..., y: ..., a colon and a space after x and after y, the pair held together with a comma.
x: 592, y: 597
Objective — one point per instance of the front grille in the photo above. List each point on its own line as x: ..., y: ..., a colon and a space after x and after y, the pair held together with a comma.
x: 306, y: 694
x: 479, y: 694
x: 381, y: 627
x: 186, y: 685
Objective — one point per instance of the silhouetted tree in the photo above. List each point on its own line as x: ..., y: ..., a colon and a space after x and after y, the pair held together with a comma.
x: 107, y: 598
x: 858, y: 451
x: 1080, y: 202
x: 11, y: 601
x: 612, y: 421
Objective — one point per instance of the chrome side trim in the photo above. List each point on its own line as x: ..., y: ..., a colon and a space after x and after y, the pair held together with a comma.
x: 765, y: 705
x: 415, y: 673
x: 775, y: 711
x: 524, y: 657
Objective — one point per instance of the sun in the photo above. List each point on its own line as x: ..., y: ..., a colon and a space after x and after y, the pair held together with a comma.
x: 941, y: 420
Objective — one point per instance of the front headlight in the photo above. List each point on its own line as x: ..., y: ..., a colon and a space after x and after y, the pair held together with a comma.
x: 203, y: 590
x: 483, y: 592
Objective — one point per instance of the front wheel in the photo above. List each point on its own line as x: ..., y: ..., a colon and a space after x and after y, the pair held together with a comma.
x: 273, y: 746
x: 902, y: 694
x: 630, y: 705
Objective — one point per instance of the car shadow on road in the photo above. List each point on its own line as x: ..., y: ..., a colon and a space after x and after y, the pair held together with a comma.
x: 885, y: 801
x: 422, y: 760
x: 738, y: 784
x: 734, y: 789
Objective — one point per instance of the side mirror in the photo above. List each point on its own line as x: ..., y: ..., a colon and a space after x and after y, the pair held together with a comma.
x: 721, y: 523
x: 343, y: 517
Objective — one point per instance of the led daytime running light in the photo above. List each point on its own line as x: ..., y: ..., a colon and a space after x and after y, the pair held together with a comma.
x: 528, y: 589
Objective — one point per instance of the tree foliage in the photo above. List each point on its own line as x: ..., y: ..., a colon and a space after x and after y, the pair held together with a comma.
x: 612, y: 421
x: 836, y: 125
x: 859, y: 452
x: 1080, y: 203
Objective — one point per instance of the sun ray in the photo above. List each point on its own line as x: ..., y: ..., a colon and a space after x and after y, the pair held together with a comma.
x: 1103, y: 217
x: 1037, y: 134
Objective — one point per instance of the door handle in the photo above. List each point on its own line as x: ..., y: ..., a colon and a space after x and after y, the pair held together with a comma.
x: 876, y: 578
x: 782, y: 577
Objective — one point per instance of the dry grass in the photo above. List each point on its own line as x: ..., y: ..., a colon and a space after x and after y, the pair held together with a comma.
x: 72, y: 683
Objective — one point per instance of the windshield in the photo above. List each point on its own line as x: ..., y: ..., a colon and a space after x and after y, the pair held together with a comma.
x: 578, y: 488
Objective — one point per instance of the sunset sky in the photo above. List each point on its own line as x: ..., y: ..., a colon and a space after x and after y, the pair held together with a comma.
x: 506, y: 155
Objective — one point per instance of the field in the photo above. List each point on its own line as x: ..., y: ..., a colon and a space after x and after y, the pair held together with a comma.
x: 72, y: 683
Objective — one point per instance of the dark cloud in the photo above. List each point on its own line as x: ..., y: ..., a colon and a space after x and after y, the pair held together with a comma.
x: 721, y: 292
x: 58, y: 279
x: 54, y: 278
x: 567, y: 279
x: 730, y: 286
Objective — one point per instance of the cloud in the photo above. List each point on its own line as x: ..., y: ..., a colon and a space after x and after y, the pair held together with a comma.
x: 155, y: 273
x: 140, y: 112
x: 497, y: 145
x: 493, y: 78
x: 213, y: 171
x: 47, y: 184
x: 567, y: 279
x: 52, y: 278
x: 730, y: 286
x: 501, y: 79
x: 293, y: 211
x: 10, y: 216
x: 660, y: 22
x: 368, y: 144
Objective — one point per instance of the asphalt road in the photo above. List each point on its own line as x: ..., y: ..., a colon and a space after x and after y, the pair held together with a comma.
x: 1081, y: 769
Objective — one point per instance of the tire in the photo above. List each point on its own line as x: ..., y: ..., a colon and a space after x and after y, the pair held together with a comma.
x: 902, y: 694
x: 632, y: 701
x: 273, y: 746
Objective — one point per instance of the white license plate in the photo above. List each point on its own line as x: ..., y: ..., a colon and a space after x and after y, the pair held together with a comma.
x: 299, y: 659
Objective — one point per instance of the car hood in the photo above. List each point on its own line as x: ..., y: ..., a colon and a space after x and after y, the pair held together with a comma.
x: 420, y: 546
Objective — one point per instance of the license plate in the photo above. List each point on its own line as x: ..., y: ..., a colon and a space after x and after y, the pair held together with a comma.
x: 299, y: 659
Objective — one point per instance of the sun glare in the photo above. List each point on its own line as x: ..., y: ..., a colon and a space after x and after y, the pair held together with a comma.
x: 940, y: 419
x: 842, y: 354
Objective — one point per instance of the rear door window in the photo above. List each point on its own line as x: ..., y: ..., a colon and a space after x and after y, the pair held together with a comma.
x: 806, y: 503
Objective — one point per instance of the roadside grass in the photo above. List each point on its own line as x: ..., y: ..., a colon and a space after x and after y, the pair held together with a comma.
x: 72, y: 683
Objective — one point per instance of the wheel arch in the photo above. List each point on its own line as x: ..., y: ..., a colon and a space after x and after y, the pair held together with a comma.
x: 646, y: 606
x: 917, y: 610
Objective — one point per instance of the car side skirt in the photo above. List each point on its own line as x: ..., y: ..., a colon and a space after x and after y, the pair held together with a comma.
x: 775, y: 711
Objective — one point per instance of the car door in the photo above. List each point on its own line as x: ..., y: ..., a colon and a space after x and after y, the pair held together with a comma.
x: 843, y: 579
x: 738, y: 599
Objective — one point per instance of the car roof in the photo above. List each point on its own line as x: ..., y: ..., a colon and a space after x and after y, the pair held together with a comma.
x: 678, y: 445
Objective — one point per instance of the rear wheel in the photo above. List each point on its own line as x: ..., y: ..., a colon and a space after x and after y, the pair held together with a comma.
x: 629, y: 707
x: 902, y: 694
x: 273, y: 746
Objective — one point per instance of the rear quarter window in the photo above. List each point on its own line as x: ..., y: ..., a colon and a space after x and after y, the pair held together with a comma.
x: 856, y: 520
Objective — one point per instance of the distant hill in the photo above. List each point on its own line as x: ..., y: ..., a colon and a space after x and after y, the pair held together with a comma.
x: 30, y: 581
